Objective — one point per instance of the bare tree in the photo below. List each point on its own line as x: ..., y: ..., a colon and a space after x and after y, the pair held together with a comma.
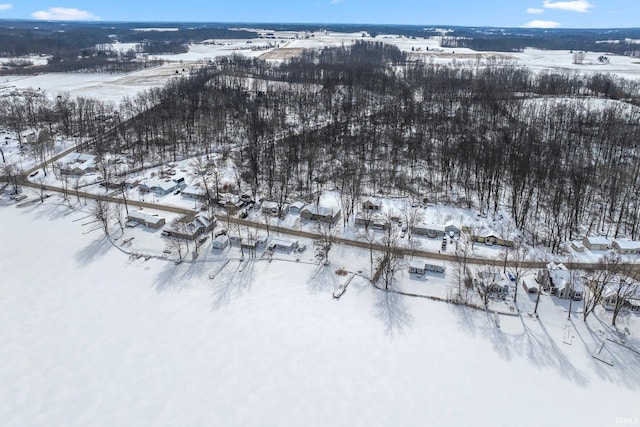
x: 412, y: 217
x: 597, y: 280
x: 102, y: 212
x: 390, y: 259
x: 461, y: 271
x: 12, y: 174
x: 520, y: 267
x: 623, y: 289
x: 327, y: 235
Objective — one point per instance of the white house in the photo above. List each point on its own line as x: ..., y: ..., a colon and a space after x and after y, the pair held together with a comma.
x: 492, y: 282
x: 146, y: 219
x: 160, y: 187
x: 194, y: 192
x: 320, y: 213
x: 377, y: 221
x: 626, y: 246
x: 596, y: 243
x: 78, y: 164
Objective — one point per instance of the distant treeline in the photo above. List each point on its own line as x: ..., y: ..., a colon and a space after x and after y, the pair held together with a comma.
x: 20, y: 38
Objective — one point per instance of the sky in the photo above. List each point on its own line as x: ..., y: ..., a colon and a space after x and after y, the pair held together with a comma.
x: 499, y: 13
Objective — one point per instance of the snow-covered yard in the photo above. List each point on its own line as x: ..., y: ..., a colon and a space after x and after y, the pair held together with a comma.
x: 91, y: 336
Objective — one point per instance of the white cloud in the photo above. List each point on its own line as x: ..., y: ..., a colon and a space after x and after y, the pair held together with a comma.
x: 535, y: 11
x: 537, y: 23
x: 5, y: 6
x: 573, y: 6
x: 336, y: 1
x: 64, y: 14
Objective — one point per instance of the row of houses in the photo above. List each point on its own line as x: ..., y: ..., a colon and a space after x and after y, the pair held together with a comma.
x: 421, y: 267
x: 188, y: 227
x: 601, y: 243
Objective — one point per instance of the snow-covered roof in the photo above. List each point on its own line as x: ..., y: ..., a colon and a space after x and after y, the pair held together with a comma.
x: 417, y: 264
x: 627, y: 244
x: 597, y: 240
x: 284, y: 243
x: 78, y: 158
x: 193, y: 190
x: 145, y: 216
x: 297, y: 205
x: 612, y: 289
x: 530, y: 282
x: 319, y: 210
x: 165, y: 186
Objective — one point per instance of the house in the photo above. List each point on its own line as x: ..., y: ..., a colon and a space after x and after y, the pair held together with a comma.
x: 194, y: 192
x: 492, y: 282
x: 159, y: 187
x: 371, y: 205
x: 490, y: 237
x: 192, y: 228
x: 220, y: 242
x: 320, y: 213
x: 273, y: 208
x: 631, y: 295
x: 566, y: 291
x: 556, y: 279
x: 231, y: 203
x: 377, y: 221
x: 429, y: 230
x: 530, y: 285
x: 146, y: 219
x: 626, y: 246
x: 296, y: 207
x: 596, y: 243
x: 78, y: 164
x: 284, y: 245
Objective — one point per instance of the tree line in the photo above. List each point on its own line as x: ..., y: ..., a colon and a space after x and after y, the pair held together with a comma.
x: 557, y: 150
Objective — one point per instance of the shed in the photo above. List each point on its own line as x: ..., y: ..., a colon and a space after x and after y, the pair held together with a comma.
x: 434, y: 267
x: 220, y: 242
x: 283, y: 245
x: 417, y: 267
x: 530, y: 285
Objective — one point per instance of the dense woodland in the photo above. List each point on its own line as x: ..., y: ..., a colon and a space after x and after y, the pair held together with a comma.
x: 557, y: 151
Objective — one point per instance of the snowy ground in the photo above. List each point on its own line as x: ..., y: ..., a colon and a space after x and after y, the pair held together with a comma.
x: 91, y: 336
x: 114, y: 87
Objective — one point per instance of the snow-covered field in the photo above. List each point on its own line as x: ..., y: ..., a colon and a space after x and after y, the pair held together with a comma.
x: 93, y: 337
x: 114, y: 87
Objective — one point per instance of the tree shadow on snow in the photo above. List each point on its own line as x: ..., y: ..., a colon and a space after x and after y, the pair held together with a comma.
x: 323, y: 279
x: 231, y: 282
x: 607, y: 344
x: 392, y: 309
x: 176, y: 277
x: 94, y: 250
x: 542, y: 350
